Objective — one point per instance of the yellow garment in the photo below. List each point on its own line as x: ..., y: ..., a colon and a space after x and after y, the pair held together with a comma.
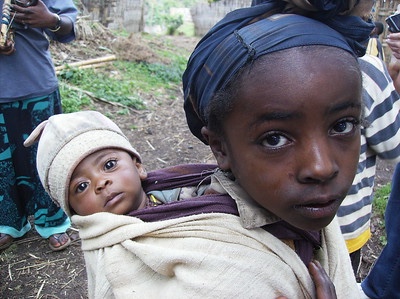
x: 356, y: 243
x: 373, y: 49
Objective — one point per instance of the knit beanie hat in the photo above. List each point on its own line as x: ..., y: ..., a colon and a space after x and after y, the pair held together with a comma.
x: 65, y: 140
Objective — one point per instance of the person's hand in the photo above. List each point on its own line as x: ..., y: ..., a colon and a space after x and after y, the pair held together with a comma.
x: 393, y: 41
x: 8, y: 48
x: 324, y: 287
x: 37, y: 16
x: 323, y: 284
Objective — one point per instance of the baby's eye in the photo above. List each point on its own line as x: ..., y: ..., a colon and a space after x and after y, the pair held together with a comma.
x: 81, y: 187
x: 345, y: 126
x: 274, y: 140
x: 110, y: 164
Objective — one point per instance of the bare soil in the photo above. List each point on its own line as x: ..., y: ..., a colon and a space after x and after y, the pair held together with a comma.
x: 29, y: 269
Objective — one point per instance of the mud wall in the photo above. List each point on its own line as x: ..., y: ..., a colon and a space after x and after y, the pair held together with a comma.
x: 117, y: 14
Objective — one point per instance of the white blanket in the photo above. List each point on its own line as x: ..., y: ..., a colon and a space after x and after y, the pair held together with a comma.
x: 202, y: 256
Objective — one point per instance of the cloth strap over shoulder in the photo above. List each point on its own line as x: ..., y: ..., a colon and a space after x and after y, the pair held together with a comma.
x: 179, y: 176
x: 195, y: 174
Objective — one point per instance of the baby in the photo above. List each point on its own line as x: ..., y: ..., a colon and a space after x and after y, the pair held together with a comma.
x: 87, y: 165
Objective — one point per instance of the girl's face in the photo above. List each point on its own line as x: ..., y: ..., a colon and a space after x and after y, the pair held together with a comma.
x: 108, y: 180
x: 292, y: 139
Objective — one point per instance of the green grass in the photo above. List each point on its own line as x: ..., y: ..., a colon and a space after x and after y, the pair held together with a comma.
x: 124, y: 82
x: 186, y: 29
x: 103, y: 85
x: 72, y: 100
x: 381, y: 197
x: 379, y: 204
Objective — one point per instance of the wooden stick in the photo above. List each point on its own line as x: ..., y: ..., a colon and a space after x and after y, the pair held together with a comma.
x: 40, y: 290
x: 40, y: 264
x: 9, y: 272
x: 151, y: 146
x: 88, y: 66
x: 87, y: 62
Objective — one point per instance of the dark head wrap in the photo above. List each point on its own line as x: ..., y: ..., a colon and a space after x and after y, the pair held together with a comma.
x: 323, y: 8
x: 236, y: 40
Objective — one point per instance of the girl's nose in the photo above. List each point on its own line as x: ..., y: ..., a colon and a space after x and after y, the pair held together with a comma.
x: 317, y: 163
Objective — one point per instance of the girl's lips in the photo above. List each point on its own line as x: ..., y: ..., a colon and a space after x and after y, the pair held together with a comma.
x: 113, y: 199
x: 319, y: 209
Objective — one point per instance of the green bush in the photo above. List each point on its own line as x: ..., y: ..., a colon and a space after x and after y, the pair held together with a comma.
x: 72, y: 100
x: 125, y: 82
x: 173, y: 23
x: 381, y: 197
x: 379, y: 204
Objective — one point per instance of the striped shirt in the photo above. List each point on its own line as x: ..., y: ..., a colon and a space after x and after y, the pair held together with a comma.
x: 380, y: 137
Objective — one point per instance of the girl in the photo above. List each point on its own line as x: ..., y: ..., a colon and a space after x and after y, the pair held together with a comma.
x: 278, y: 99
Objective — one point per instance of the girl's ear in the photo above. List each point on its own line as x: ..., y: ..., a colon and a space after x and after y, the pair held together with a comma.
x: 218, y: 147
x: 141, y: 170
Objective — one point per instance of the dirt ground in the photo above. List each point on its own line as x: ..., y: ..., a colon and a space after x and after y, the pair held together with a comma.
x: 29, y: 269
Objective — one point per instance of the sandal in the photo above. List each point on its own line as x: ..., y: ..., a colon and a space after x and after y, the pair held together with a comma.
x: 59, y: 241
x: 5, y: 241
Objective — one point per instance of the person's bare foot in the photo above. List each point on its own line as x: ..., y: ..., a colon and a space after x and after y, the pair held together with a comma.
x: 5, y: 241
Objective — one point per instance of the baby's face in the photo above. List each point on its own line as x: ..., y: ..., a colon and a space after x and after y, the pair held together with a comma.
x: 108, y: 180
x: 292, y: 139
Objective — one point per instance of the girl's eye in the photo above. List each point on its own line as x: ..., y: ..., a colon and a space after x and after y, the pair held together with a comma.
x: 81, y: 187
x: 274, y: 140
x: 110, y: 164
x: 344, y: 127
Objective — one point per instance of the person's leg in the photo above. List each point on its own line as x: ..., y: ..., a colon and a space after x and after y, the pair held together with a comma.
x: 49, y: 219
x: 13, y: 219
x: 383, y: 281
x: 355, y: 258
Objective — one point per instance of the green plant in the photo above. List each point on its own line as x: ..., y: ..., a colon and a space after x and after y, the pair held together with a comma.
x: 186, y: 29
x: 102, y: 85
x: 159, y: 11
x: 72, y: 100
x: 379, y: 204
x: 381, y: 197
x: 173, y: 23
x: 132, y: 80
x: 383, y: 240
x: 125, y: 82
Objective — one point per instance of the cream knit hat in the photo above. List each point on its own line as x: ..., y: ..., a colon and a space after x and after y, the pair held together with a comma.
x: 65, y: 140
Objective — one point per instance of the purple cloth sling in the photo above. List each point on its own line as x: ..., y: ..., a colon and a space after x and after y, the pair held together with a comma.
x: 193, y: 175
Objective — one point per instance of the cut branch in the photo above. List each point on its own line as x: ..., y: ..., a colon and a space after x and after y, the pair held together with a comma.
x: 95, y: 62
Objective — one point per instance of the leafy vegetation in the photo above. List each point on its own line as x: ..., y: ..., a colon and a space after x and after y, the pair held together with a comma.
x: 124, y: 82
x: 379, y: 203
x: 381, y: 197
x: 72, y: 100
x: 159, y: 13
